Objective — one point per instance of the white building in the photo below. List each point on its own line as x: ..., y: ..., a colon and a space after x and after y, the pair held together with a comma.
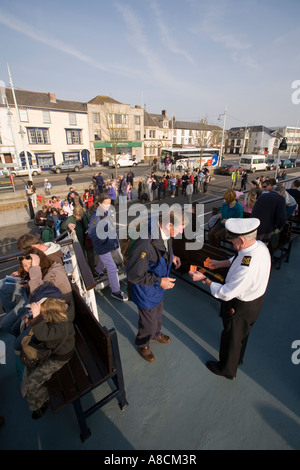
x: 258, y: 140
x: 53, y: 130
x: 198, y: 134
x: 157, y: 134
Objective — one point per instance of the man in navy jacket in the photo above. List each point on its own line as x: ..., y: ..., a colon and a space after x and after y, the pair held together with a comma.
x: 270, y: 210
x: 148, y: 274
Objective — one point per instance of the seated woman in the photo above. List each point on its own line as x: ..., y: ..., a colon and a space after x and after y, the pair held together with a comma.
x: 231, y: 208
x: 104, y: 238
x: 36, y: 269
x: 54, y: 332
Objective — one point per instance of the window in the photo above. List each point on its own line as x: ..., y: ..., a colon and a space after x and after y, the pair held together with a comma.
x: 45, y: 160
x: 137, y: 135
x: 97, y: 134
x: 46, y: 117
x: 73, y: 136
x: 38, y: 135
x: 118, y: 119
x: 137, y: 120
x: 152, y: 134
x: 72, y: 119
x: 118, y: 134
x: 71, y: 156
x: 23, y: 115
x: 96, y: 117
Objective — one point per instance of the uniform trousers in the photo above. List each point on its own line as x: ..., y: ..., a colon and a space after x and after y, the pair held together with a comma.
x: 238, y: 318
x: 150, y: 321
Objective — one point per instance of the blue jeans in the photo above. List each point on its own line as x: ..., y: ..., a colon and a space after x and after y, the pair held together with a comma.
x: 8, y: 294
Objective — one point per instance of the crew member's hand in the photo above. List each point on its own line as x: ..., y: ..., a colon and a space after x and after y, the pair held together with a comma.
x: 196, y: 275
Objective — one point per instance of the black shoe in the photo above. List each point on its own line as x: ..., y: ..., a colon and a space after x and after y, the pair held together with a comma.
x: 37, y: 414
x: 214, y: 367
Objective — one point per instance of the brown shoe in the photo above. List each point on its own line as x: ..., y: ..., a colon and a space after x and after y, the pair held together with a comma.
x: 164, y: 339
x: 147, y: 354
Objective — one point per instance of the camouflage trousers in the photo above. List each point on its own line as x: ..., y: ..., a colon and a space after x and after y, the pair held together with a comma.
x: 35, y: 388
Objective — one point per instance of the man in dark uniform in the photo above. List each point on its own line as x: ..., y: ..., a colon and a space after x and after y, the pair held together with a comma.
x: 148, y: 274
x: 242, y: 295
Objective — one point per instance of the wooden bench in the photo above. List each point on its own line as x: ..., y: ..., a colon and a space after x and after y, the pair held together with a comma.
x: 280, y: 246
x: 295, y: 219
x: 96, y: 361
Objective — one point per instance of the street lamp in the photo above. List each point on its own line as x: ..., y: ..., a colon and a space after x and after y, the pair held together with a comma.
x: 223, y: 131
x: 21, y: 131
x: 22, y: 134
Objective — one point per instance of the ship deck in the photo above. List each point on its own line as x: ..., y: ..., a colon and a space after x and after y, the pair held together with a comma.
x: 175, y: 403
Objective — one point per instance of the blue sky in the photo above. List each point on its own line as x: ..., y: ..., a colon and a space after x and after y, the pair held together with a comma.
x: 190, y: 57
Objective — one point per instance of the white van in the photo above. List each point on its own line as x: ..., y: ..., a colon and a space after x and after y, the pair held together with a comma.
x: 253, y: 163
x: 123, y: 160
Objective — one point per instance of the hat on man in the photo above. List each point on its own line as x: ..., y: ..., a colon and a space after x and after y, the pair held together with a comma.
x: 45, y: 179
x: 239, y: 227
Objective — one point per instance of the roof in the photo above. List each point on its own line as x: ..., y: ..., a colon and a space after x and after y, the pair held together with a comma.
x: 199, y: 126
x: 272, y: 132
x: 102, y: 99
x: 153, y: 120
x: 33, y: 99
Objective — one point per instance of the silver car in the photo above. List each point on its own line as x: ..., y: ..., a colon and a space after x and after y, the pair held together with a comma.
x: 66, y: 166
x: 21, y: 171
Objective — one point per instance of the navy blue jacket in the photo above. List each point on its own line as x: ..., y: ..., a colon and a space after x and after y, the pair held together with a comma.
x: 148, y: 262
x: 102, y: 244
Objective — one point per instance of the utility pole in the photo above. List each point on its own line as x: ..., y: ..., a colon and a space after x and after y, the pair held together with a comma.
x: 21, y: 131
x: 223, y: 132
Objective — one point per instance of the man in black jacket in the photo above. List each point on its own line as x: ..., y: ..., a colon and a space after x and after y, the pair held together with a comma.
x: 270, y: 210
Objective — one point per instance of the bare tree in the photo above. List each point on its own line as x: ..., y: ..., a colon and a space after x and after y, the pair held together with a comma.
x: 115, y: 129
x: 203, y: 138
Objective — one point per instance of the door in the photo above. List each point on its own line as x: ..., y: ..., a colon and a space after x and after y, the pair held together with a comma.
x: 85, y: 157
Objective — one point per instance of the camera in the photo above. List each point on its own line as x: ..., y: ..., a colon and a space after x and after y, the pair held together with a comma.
x: 29, y: 315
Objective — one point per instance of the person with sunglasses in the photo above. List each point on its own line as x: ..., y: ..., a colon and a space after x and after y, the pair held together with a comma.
x: 36, y: 270
x: 242, y: 294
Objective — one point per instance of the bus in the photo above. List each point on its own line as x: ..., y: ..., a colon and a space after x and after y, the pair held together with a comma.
x: 190, y: 157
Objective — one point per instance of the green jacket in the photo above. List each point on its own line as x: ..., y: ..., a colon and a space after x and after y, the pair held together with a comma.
x: 80, y: 229
x: 47, y: 235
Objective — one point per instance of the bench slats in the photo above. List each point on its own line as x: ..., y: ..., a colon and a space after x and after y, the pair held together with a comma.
x: 81, y: 378
x: 88, y: 361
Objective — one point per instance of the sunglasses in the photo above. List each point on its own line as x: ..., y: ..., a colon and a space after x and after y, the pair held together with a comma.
x: 24, y: 257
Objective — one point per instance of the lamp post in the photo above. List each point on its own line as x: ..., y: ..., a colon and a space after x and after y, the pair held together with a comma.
x: 223, y: 131
x: 21, y: 131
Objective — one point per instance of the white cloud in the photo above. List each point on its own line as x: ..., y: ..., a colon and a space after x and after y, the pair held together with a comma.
x: 38, y: 35
x: 166, y: 39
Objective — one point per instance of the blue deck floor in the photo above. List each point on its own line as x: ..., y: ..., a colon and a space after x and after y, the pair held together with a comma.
x: 175, y: 402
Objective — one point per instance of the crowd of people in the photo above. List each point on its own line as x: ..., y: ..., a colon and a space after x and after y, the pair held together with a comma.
x: 157, y: 187
x: 38, y: 297
x: 267, y: 199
